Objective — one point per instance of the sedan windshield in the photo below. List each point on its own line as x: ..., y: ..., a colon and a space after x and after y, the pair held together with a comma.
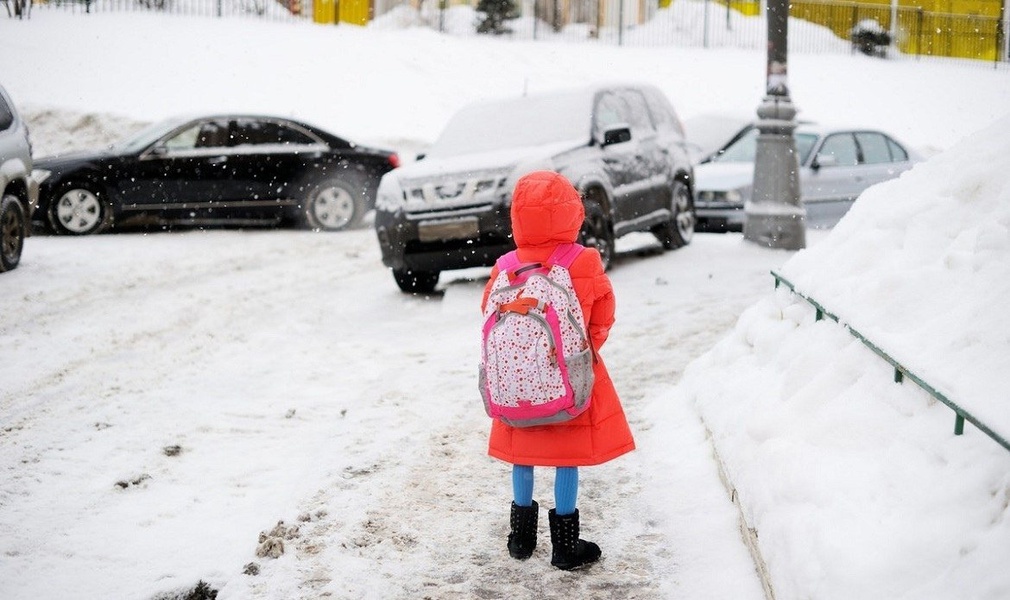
x: 147, y: 136
x: 744, y: 149
x: 526, y: 121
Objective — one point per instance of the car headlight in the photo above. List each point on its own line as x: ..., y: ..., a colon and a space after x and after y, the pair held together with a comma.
x: 389, y: 197
x: 40, y: 175
x: 719, y: 197
x: 730, y: 196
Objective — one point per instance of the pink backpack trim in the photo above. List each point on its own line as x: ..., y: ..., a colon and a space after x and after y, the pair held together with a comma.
x: 561, y: 408
x: 564, y: 255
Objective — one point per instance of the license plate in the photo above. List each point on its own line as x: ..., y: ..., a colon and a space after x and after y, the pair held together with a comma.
x: 455, y: 229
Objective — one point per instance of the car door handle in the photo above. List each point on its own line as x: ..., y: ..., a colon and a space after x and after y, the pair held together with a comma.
x: 217, y: 160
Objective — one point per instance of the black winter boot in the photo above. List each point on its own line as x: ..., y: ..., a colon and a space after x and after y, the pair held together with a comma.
x: 523, y: 538
x: 569, y: 552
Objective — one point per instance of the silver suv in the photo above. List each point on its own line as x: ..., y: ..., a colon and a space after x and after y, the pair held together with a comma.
x: 621, y: 146
x: 19, y: 193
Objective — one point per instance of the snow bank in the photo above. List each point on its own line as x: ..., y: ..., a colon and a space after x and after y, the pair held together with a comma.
x: 857, y: 485
x: 55, y: 131
x: 922, y: 266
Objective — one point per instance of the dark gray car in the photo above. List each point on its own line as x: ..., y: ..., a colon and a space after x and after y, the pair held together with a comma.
x: 19, y: 193
x: 621, y: 146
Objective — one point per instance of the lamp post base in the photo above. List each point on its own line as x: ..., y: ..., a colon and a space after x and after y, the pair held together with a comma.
x: 775, y: 214
x: 776, y: 230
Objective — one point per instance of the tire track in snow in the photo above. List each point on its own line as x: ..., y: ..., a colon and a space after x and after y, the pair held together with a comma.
x: 168, y: 333
x: 441, y: 532
x: 183, y: 291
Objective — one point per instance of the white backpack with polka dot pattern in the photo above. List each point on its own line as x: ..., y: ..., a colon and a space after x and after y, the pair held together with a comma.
x: 536, y: 359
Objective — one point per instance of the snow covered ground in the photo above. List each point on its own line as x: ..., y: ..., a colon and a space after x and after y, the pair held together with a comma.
x: 857, y: 486
x: 167, y: 398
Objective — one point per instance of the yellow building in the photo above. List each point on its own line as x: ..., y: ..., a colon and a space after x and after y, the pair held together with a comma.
x: 354, y: 12
x: 956, y: 28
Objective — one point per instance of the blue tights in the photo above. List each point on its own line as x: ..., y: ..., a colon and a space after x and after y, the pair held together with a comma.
x: 566, y: 487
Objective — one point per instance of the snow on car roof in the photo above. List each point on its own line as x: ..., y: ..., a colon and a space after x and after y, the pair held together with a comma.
x: 521, y: 121
x: 515, y: 122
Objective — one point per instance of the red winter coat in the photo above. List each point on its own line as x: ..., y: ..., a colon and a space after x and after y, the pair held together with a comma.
x: 547, y: 211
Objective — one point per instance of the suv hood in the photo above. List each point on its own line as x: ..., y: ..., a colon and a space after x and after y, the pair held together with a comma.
x: 506, y: 160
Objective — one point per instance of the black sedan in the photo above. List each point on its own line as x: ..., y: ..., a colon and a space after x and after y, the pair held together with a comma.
x: 213, y: 170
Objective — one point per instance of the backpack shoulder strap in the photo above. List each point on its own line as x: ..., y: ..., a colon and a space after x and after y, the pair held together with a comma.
x: 507, y: 262
x: 565, y: 254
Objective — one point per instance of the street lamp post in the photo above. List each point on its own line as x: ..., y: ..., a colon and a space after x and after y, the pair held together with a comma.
x: 775, y: 217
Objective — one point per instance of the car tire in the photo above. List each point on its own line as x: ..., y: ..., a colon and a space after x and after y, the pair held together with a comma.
x: 679, y: 230
x: 416, y: 282
x: 597, y: 233
x: 334, y: 203
x: 13, y: 229
x: 79, y: 209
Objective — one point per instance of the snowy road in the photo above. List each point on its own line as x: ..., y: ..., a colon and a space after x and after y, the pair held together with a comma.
x: 164, y: 399
x: 302, y: 387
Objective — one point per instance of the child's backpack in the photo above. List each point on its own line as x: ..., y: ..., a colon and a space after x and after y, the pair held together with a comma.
x: 536, y: 360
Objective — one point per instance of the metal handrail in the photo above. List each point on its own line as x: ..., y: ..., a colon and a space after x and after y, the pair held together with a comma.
x: 900, y: 371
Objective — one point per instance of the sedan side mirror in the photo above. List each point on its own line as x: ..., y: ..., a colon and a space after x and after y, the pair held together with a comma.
x: 825, y: 160
x: 616, y: 134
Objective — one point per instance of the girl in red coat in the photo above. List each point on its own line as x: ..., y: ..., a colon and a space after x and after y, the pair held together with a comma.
x: 547, y: 211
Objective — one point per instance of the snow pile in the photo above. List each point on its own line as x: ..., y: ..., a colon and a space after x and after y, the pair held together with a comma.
x: 55, y: 131
x: 685, y: 24
x: 400, y: 86
x: 699, y: 23
x: 921, y: 265
x: 457, y: 20
x: 857, y: 486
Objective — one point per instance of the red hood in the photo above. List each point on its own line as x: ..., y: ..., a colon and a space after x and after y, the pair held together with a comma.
x: 546, y: 210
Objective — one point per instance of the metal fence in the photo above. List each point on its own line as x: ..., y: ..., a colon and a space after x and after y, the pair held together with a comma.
x: 817, y: 26
x: 268, y: 9
x: 901, y: 372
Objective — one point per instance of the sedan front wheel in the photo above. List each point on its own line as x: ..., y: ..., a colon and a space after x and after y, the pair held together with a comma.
x: 79, y: 210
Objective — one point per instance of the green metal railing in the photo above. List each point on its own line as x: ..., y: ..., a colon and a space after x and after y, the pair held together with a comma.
x: 900, y: 371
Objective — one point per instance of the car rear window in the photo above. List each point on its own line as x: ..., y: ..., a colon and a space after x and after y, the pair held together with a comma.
x: 898, y: 154
x: 262, y: 132
x: 662, y: 112
x: 874, y: 148
x: 6, y: 115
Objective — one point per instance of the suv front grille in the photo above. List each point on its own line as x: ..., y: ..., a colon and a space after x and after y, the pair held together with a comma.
x: 415, y: 213
x: 472, y: 192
